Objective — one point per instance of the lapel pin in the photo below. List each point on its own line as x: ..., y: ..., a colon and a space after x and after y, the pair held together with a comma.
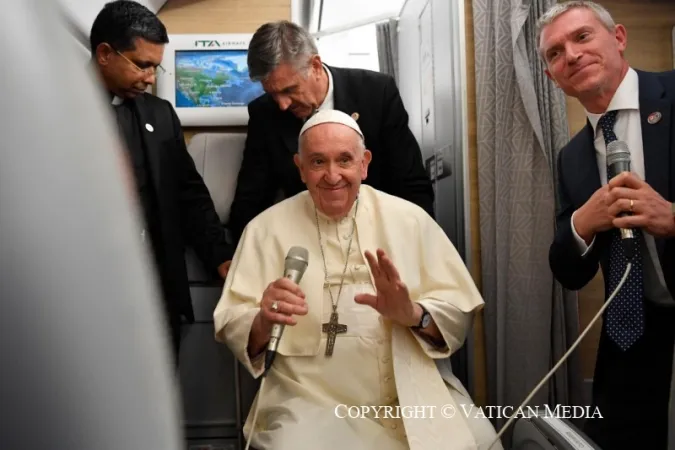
x: 355, y: 116
x: 149, y: 127
x: 654, y: 118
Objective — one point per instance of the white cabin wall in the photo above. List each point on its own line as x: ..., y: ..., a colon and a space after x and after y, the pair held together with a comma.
x: 447, y: 137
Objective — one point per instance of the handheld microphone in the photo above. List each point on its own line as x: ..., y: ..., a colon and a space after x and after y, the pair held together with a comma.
x: 618, y: 160
x: 294, y: 268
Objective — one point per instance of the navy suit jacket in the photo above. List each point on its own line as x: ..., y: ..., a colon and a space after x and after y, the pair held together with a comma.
x: 578, y: 179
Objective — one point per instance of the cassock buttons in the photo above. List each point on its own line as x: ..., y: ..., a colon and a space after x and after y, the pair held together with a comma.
x: 149, y: 127
x: 654, y: 117
x: 355, y: 116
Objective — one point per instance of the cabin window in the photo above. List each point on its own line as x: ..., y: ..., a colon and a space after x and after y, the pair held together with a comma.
x: 346, y: 31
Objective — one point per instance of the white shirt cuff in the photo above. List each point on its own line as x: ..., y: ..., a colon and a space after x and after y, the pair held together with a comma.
x: 581, y: 244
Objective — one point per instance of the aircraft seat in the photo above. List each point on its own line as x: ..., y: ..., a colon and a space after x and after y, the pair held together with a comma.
x: 543, y: 432
x: 216, y: 390
x: 217, y: 157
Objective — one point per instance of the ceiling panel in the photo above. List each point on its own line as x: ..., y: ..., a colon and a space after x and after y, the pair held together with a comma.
x: 341, y: 13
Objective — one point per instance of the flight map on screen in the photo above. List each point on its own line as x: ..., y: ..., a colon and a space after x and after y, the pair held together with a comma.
x: 214, y: 78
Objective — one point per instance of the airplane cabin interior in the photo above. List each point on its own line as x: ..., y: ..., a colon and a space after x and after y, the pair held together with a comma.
x: 488, y: 122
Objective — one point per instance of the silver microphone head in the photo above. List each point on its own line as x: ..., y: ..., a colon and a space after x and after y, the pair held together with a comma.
x: 618, y: 158
x: 617, y: 151
x: 296, y: 260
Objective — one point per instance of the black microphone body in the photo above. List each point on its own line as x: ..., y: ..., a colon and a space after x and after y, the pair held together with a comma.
x: 294, y: 268
x: 618, y: 161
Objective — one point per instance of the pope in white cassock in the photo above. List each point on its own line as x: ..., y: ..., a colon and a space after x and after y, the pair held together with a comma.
x: 386, y: 272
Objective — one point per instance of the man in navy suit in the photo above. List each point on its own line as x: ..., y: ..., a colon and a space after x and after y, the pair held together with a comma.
x: 285, y: 59
x: 583, y: 49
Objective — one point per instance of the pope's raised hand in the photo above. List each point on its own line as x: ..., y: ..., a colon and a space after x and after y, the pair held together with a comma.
x: 392, y: 299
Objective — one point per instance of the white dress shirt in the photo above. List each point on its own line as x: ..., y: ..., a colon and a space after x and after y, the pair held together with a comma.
x: 628, y: 129
x: 328, y: 102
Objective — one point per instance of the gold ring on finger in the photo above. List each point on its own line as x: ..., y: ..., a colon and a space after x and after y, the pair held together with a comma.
x: 275, y: 306
x: 631, y: 205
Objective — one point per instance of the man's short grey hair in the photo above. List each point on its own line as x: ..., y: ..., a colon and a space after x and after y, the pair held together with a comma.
x: 279, y: 42
x: 557, y: 10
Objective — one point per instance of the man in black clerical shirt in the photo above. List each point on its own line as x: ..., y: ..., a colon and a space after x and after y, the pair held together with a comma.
x: 127, y: 45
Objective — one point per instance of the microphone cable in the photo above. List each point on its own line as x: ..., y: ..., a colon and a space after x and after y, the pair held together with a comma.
x: 255, y: 411
x: 569, y: 352
x: 269, y: 359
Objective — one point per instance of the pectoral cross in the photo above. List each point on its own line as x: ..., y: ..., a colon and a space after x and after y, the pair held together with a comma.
x: 333, y: 328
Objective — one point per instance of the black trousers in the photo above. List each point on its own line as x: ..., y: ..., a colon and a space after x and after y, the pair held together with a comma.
x: 631, y: 389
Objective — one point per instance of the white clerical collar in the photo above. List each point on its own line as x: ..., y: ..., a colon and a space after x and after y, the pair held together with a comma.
x: 328, y: 101
x: 627, y: 96
x: 116, y: 100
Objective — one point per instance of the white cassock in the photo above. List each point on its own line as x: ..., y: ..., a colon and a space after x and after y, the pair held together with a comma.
x: 375, y: 362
